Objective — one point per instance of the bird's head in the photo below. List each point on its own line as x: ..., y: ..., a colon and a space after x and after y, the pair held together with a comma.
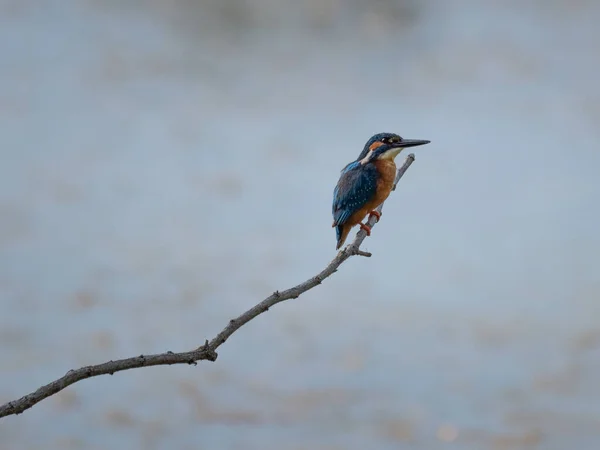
x: 386, y: 146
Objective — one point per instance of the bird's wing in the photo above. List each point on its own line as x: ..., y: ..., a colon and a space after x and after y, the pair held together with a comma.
x: 356, y: 186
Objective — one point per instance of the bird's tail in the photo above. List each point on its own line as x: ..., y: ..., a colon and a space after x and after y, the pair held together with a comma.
x: 341, y: 233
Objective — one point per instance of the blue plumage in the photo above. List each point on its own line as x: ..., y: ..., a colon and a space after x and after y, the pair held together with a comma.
x: 356, y: 186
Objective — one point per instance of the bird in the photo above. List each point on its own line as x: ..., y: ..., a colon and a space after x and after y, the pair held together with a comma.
x: 366, y: 183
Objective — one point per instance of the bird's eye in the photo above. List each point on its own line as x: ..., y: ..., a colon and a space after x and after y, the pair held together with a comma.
x: 394, y: 139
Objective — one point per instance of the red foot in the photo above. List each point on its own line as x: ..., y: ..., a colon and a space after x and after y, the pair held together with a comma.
x: 376, y: 214
x: 367, y: 228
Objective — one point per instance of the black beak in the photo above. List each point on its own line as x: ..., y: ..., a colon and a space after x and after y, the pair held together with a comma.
x: 405, y: 143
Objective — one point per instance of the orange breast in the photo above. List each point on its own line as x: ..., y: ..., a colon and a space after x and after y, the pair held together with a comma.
x: 387, y: 174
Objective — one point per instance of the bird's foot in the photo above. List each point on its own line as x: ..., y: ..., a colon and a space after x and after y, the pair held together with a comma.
x: 377, y: 214
x: 367, y: 228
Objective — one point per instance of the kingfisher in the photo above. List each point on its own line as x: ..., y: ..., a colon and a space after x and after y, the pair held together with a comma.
x: 365, y: 183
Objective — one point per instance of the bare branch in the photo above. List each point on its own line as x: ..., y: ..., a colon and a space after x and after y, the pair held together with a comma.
x: 208, y: 350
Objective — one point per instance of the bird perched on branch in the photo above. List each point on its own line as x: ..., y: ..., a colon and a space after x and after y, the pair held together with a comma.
x: 364, y: 184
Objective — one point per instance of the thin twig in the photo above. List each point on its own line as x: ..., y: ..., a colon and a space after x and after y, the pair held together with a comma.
x: 208, y: 350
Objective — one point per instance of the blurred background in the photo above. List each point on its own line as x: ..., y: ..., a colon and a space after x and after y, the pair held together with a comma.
x: 166, y: 165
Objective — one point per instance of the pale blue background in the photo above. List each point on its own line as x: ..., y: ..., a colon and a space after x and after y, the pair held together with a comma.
x: 166, y: 165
